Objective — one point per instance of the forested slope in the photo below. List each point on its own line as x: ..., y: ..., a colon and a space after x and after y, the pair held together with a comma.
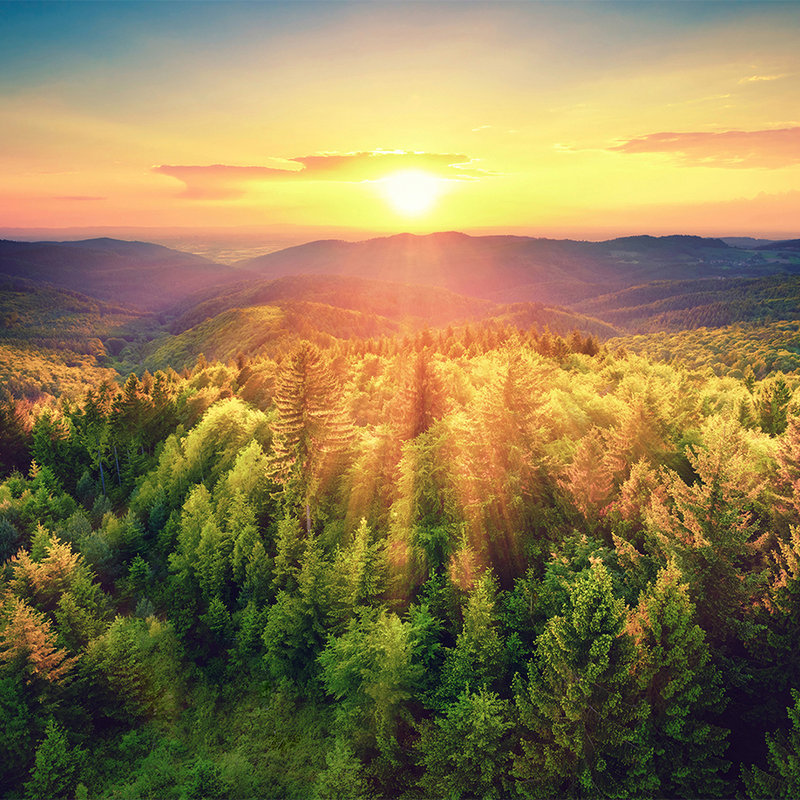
x: 468, y: 562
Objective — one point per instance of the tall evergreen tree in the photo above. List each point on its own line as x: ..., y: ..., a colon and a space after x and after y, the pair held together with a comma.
x: 683, y: 692
x: 312, y: 431
x: 467, y: 751
x: 787, y: 484
x: 578, y: 711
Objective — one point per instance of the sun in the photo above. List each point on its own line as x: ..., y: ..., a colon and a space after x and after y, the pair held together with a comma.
x: 411, y: 192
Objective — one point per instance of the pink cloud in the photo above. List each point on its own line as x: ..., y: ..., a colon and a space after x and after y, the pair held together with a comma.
x: 770, y: 149
x: 221, y: 181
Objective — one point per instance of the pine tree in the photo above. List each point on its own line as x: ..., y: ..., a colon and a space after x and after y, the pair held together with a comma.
x: 311, y: 433
x: 27, y: 639
x: 683, y: 693
x: 477, y: 660
x: 57, y: 766
x: 467, y: 751
x: 578, y: 710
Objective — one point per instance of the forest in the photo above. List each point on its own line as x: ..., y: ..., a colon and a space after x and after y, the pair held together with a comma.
x: 468, y: 561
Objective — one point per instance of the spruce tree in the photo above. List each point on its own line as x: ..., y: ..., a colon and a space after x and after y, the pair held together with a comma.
x: 467, y: 751
x: 477, y: 660
x: 787, y: 484
x: 578, y: 711
x: 683, y: 692
x: 311, y: 432
x: 57, y: 766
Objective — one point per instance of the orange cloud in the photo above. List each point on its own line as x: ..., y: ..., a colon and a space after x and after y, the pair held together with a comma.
x: 770, y: 148
x: 221, y: 181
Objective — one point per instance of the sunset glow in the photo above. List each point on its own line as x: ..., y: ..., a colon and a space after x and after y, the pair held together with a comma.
x: 598, y: 118
x: 411, y: 192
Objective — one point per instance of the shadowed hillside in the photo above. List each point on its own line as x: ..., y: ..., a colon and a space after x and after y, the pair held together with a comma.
x: 137, y: 274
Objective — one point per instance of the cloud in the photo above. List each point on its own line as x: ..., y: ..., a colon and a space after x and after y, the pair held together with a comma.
x: 769, y: 148
x: 222, y: 181
x: 760, y: 78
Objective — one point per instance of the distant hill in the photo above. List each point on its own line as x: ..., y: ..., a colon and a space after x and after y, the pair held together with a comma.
x: 745, y: 242
x: 704, y: 302
x: 517, y: 268
x: 56, y: 342
x: 45, y: 316
x: 786, y: 244
x: 136, y: 274
x: 263, y: 330
x: 261, y: 318
x: 421, y: 305
x: 766, y: 348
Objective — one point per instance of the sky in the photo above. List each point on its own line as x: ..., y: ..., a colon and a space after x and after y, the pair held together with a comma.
x: 580, y: 119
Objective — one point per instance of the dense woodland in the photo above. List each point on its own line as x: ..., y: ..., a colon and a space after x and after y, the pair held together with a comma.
x: 324, y: 536
x: 476, y: 562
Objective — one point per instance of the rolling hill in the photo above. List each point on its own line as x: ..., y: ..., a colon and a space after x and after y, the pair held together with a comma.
x: 135, y: 274
x: 260, y: 318
x: 515, y: 268
x: 56, y: 342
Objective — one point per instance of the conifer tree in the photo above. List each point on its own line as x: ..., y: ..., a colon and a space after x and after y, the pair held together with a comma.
x: 57, y: 767
x: 588, y: 479
x: 783, y: 602
x: 683, y: 693
x: 787, y: 484
x: 477, y: 659
x: 15, y: 435
x: 422, y: 399
x: 709, y: 529
x: 782, y: 782
x: 772, y: 405
x: 467, y: 751
x: 372, y: 671
x: 311, y: 431
x: 27, y: 639
x: 578, y: 711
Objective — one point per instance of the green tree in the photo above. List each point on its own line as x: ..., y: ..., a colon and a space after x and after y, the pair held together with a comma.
x: 578, y: 711
x: 772, y: 405
x: 343, y: 775
x: 58, y: 766
x: 787, y: 483
x: 371, y: 671
x: 477, y: 660
x: 711, y: 530
x: 467, y: 752
x: 783, y: 756
x: 683, y: 693
x: 299, y: 619
x: 422, y: 398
